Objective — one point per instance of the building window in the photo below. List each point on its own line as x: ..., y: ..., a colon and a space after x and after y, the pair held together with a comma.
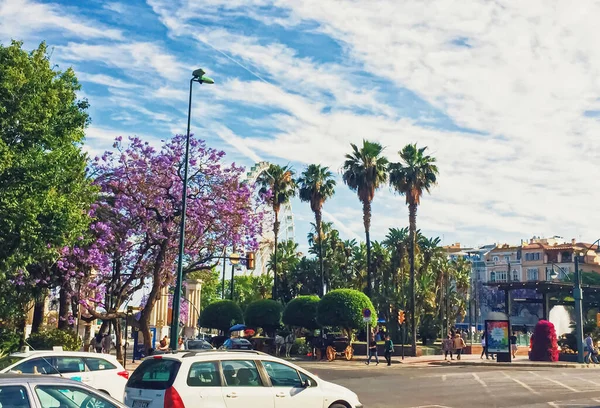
x: 515, y: 275
x: 528, y: 257
x: 537, y: 256
x: 501, y: 276
x: 532, y: 274
x: 493, y: 277
x: 507, y: 258
x: 495, y: 259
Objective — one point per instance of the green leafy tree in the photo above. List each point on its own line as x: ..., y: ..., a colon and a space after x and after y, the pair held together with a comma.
x: 265, y: 314
x: 284, y: 261
x: 343, y: 308
x: 278, y: 187
x: 316, y: 186
x: 45, y: 193
x: 302, y: 312
x: 365, y: 170
x: 249, y: 288
x: 414, y: 174
x: 211, y: 285
x: 221, y: 315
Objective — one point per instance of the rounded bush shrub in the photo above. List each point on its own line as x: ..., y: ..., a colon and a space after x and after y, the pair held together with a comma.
x: 221, y: 315
x: 343, y: 308
x: 264, y: 313
x: 302, y: 312
x: 46, y: 339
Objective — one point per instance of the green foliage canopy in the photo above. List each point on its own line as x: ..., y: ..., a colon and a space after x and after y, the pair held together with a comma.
x: 221, y: 315
x: 343, y: 308
x: 264, y: 313
x: 302, y: 312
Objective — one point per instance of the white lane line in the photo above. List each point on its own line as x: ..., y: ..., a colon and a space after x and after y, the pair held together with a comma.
x: 553, y: 404
x: 582, y: 379
x: 479, y: 380
x: 554, y: 381
x: 521, y: 383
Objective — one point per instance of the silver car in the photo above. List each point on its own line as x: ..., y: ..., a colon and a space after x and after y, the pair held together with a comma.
x: 41, y: 391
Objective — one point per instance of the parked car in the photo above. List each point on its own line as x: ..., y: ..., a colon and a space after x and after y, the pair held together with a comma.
x: 42, y: 391
x: 101, y: 371
x: 197, y: 344
x: 237, y: 343
x: 230, y: 379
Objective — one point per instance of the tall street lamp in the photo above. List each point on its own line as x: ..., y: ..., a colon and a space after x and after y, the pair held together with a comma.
x: 234, y: 259
x: 197, y: 76
x: 578, y: 296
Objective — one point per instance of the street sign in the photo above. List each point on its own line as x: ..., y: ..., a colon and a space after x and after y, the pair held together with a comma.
x: 366, y: 315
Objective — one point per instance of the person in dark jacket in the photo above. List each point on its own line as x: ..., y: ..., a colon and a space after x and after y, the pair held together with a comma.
x: 373, y: 351
x: 389, y: 349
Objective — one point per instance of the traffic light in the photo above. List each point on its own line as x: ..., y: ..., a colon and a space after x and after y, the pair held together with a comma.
x: 250, y: 261
x: 400, y: 317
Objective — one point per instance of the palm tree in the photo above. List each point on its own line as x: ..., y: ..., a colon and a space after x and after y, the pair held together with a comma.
x: 365, y: 170
x: 415, y: 173
x: 316, y: 186
x: 278, y: 186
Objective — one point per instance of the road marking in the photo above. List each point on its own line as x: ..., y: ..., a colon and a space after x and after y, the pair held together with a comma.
x: 444, y: 377
x: 479, y: 380
x: 554, y: 381
x: 521, y: 383
x: 553, y: 404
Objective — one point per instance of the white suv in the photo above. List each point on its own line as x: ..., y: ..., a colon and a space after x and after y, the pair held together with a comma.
x: 230, y: 379
x: 100, y: 371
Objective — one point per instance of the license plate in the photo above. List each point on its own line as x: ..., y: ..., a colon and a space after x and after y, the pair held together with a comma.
x: 140, y: 404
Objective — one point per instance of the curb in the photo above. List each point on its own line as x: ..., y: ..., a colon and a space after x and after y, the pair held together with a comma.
x: 515, y: 365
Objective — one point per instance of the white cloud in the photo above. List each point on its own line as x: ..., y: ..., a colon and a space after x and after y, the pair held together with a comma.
x: 23, y: 19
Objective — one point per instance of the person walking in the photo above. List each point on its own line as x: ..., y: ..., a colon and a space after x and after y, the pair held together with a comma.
x: 373, y: 351
x: 106, y: 344
x: 389, y: 349
x: 290, y: 339
x: 484, y: 347
x: 459, y: 345
x: 447, y: 347
x: 513, y: 345
x: 592, y: 352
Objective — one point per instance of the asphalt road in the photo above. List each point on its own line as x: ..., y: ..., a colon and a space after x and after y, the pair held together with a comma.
x: 463, y: 386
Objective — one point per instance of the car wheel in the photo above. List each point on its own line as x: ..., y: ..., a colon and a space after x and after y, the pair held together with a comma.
x: 338, y: 405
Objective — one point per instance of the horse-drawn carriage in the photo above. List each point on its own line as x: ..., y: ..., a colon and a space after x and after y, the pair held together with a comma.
x: 340, y: 346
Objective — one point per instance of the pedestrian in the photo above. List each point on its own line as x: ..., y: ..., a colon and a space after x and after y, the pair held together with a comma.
x: 180, y: 345
x: 459, y: 344
x: 513, y: 345
x: 106, y: 344
x: 447, y: 347
x: 373, y: 351
x: 389, y: 349
x: 484, y: 347
x: 290, y: 339
x: 592, y: 352
x: 164, y: 344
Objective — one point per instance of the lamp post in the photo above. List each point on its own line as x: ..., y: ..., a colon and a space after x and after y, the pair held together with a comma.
x: 197, y: 76
x: 578, y: 296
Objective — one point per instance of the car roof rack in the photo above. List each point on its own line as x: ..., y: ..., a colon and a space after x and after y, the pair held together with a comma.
x: 198, y: 352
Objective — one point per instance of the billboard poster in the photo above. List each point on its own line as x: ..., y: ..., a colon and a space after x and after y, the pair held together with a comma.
x: 497, y: 336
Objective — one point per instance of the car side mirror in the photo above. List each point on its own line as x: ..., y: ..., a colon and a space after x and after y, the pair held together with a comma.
x: 306, y: 383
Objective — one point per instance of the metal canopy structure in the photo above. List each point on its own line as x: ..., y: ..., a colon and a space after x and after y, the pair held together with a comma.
x: 552, y: 294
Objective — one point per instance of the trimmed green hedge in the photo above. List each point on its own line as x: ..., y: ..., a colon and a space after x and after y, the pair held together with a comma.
x: 302, y: 312
x: 46, y: 339
x: 221, y: 315
x: 264, y: 313
x: 343, y: 308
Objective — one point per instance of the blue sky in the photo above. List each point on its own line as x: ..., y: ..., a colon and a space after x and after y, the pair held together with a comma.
x: 504, y: 94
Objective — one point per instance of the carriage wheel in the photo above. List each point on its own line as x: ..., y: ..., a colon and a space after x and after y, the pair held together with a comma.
x: 330, y: 353
x: 349, y: 353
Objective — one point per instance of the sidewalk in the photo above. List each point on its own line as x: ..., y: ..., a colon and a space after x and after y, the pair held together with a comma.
x: 475, y: 360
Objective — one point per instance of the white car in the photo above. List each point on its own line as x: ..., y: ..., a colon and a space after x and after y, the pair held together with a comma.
x: 100, y: 371
x: 37, y: 391
x: 230, y: 379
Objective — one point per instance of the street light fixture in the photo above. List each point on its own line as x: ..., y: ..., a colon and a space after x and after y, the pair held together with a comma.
x: 197, y: 76
x: 234, y: 259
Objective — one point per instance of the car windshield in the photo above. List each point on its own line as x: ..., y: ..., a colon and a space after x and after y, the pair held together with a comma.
x: 7, y: 361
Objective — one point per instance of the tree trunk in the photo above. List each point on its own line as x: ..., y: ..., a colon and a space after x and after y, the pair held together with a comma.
x: 38, y: 312
x: 63, y: 308
x: 367, y: 224
x: 152, y: 298
x: 118, y: 342
x: 318, y: 220
x: 275, y: 277
x: 412, y: 218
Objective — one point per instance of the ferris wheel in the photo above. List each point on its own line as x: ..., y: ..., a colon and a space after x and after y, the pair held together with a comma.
x: 286, y: 220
